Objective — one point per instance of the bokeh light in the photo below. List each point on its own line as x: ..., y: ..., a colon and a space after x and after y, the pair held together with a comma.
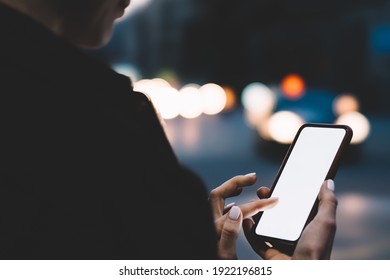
x: 213, y: 98
x: 258, y: 99
x: 354, y: 205
x: 190, y: 101
x: 231, y: 99
x: 283, y: 126
x: 345, y: 103
x: 151, y: 87
x: 160, y: 82
x: 293, y: 86
x: 170, y: 76
x: 145, y: 86
x: 359, y: 124
x: 167, y: 100
x: 163, y: 96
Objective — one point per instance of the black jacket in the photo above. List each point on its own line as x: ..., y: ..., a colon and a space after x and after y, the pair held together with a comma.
x: 86, y: 171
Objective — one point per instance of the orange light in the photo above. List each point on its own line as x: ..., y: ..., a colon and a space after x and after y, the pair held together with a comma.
x: 293, y: 86
x: 231, y: 99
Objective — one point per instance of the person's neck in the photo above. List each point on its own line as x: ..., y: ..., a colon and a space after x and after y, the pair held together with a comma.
x: 44, y: 14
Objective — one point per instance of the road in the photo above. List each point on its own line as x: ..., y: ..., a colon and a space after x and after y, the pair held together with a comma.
x: 222, y: 146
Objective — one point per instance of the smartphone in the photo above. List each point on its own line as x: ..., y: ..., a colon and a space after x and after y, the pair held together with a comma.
x: 313, y: 157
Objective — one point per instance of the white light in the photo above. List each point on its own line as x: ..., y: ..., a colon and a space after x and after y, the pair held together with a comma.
x: 359, y: 124
x: 145, y: 86
x: 167, y: 102
x: 258, y: 99
x: 164, y: 97
x: 190, y: 102
x: 283, y: 125
x: 213, y: 98
x: 148, y: 87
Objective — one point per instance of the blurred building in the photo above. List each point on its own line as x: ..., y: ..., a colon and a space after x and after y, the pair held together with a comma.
x: 340, y: 45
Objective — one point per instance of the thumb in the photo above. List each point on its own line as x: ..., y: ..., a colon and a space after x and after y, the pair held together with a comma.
x: 230, y: 231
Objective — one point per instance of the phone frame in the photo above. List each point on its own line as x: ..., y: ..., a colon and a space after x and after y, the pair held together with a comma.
x: 288, y: 246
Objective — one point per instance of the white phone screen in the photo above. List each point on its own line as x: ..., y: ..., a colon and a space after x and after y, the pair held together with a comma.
x: 300, y: 181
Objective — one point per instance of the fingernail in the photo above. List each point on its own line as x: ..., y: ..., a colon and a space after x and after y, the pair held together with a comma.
x: 230, y: 205
x: 251, y: 174
x: 330, y: 184
x: 234, y: 213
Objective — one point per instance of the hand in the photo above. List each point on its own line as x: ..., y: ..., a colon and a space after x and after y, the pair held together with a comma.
x: 317, y: 238
x: 228, y: 219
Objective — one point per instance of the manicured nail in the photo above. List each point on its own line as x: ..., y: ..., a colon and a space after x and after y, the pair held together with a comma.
x: 234, y: 213
x: 230, y: 205
x: 251, y: 174
x: 330, y: 184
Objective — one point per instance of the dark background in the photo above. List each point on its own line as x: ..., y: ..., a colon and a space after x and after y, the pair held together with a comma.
x: 340, y: 45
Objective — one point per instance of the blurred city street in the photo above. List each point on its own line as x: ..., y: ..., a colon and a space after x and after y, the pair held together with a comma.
x: 222, y: 146
x: 286, y: 62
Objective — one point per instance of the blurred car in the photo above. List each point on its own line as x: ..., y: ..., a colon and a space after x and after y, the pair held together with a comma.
x: 277, y: 111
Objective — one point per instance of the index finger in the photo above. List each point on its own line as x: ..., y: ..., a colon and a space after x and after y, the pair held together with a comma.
x: 231, y: 187
x: 252, y: 208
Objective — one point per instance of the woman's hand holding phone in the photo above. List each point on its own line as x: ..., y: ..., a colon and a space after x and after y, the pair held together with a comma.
x: 228, y: 218
x: 312, y: 158
x: 317, y: 238
x: 303, y: 225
